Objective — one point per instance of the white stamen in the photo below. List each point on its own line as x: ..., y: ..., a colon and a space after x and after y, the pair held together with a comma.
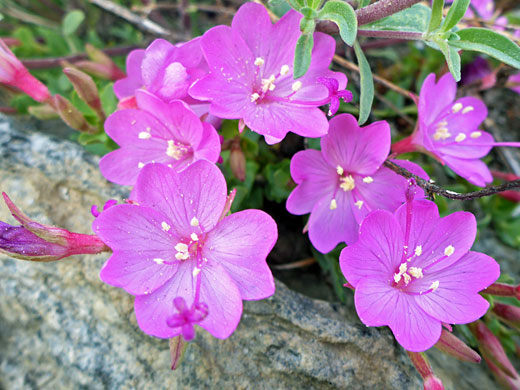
x: 340, y: 170
x: 359, y: 204
x: 195, y: 272
x: 181, y: 247
x: 467, y: 109
x: 347, y: 183
x: 144, y: 135
x: 333, y: 204
x: 194, y: 237
x: 476, y: 134
x: 434, y: 286
x: 194, y: 221
x: 285, y: 69
x: 441, y: 133
x: 407, y: 278
x: 165, y: 226
x: 456, y: 107
x: 397, y: 278
x: 140, y: 165
x: 368, y: 179
x: 418, y: 250
x: 403, y: 268
x: 460, y: 137
x: 174, y: 151
x: 259, y: 61
x: 449, y: 250
x: 182, y: 255
x: 296, y: 85
x: 255, y: 97
x: 158, y: 261
x: 416, y: 272
x: 268, y: 84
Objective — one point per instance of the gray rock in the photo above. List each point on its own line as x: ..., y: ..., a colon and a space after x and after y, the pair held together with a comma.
x: 62, y: 328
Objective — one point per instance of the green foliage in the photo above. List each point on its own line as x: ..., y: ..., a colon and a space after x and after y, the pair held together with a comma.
x: 302, y: 54
x: 72, y: 21
x: 455, y: 14
x: 436, y: 15
x: 413, y: 19
x: 344, y: 16
x: 366, y: 85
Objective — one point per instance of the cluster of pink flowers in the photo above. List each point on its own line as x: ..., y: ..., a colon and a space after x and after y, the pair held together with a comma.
x: 188, y: 262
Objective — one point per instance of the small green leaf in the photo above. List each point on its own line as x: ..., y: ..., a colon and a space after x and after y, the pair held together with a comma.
x: 436, y: 18
x: 452, y: 58
x: 367, y: 85
x: 344, y: 16
x: 363, y: 3
x: 108, y: 99
x: 296, y: 4
x: 455, y: 13
x: 413, y: 19
x: 302, y: 54
x: 489, y: 42
x: 314, y: 4
x: 72, y: 21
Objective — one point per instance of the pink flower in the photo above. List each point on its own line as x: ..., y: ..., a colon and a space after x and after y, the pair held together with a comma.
x: 343, y: 182
x: 448, y: 129
x: 165, y: 70
x: 184, y: 260
x: 413, y: 271
x: 251, y: 75
x: 514, y: 81
x: 13, y: 73
x: 168, y: 133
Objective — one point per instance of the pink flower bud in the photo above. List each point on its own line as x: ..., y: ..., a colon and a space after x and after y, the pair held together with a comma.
x: 13, y: 73
x: 86, y: 89
x: 506, y: 381
x: 99, y: 70
x: 503, y: 290
x: 430, y: 381
x: 237, y: 161
x: 97, y: 56
x: 43, y: 112
x: 507, y: 313
x: 36, y: 242
x: 433, y: 383
x: 453, y: 346
x: 71, y: 115
x: 491, y: 349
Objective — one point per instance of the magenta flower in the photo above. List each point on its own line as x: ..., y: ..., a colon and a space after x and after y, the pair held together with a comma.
x: 343, y: 182
x: 251, y: 75
x: 168, y: 133
x: 514, y: 82
x: 184, y: 260
x: 165, y: 70
x: 448, y: 129
x: 15, y: 74
x: 413, y: 271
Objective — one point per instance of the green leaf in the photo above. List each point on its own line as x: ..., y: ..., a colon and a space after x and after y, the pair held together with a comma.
x: 455, y: 13
x: 436, y: 18
x: 296, y: 4
x: 452, y: 58
x: 302, y: 54
x: 72, y: 21
x: 108, y: 99
x: 363, y: 3
x: 413, y: 19
x: 489, y: 42
x: 344, y: 16
x: 367, y: 85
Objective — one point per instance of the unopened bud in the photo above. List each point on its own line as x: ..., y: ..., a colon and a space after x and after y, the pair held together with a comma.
x: 101, y: 58
x: 491, y: 348
x: 71, y: 115
x: 421, y: 364
x: 43, y: 112
x: 177, y: 349
x: 86, y: 89
x: 503, y: 290
x: 237, y: 161
x: 36, y: 242
x: 99, y: 70
x: 453, y: 346
x: 433, y: 383
x: 509, y: 314
x: 504, y: 379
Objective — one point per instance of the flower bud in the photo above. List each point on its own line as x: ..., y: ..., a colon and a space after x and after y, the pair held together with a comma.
x: 453, y: 346
x: 86, y: 89
x: 503, y: 290
x: 430, y: 381
x: 501, y: 377
x: 71, y: 115
x: 177, y: 349
x: 491, y: 349
x: 509, y: 314
x: 237, y: 161
x: 36, y: 242
x: 111, y: 69
x: 99, y: 70
x: 43, y: 112
x: 433, y: 383
x: 15, y: 74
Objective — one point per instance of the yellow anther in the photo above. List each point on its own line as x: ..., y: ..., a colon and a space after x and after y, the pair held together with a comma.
x: 296, y: 85
x: 359, y: 204
x: 194, y: 237
x: 182, y: 255
x: 181, y: 247
x: 196, y: 271
x: 165, y: 226
x: 467, y: 109
x: 144, y: 135
x: 434, y: 286
x: 475, y: 134
x: 174, y: 151
x: 285, y: 69
x: 460, y: 137
x: 347, y: 183
x: 340, y: 170
x: 194, y: 222
x: 140, y: 165
x: 449, y: 250
x: 333, y: 204
x: 255, y: 97
x: 407, y: 278
x: 368, y: 179
x: 456, y: 107
x: 418, y: 250
x: 158, y: 261
x: 259, y: 61
x: 416, y: 272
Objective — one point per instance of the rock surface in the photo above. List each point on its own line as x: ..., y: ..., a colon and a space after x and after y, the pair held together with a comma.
x: 62, y: 328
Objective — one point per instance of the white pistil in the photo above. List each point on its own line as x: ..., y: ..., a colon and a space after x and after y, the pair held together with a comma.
x: 268, y: 84
x: 418, y: 250
x: 340, y: 170
x: 359, y: 204
x: 165, y: 226
x: 174, y: 151
x: 333, y: 204
x: 144, y: 135
x: 259, y: 61
x: 194, y: 237
x: 296, y: 85
x: 368, y: 179
x: 285, y: 69
x: 347, y: 183
x: 158, y: 261
x: 449, y: 250
x: 441, y: 133
x: 475, y: 134
x: 434, y: 286
x: 460, y: 137
x: 456, y: 107
x: 467, y: 109
x: 195, y: 272
x: 140, y: 165
x: 254, y: 97
x: 416, y: 272
x: 194, y: 221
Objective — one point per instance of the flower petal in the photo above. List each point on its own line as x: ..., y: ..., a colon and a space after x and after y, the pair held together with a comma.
x: 434, y: 97
x: 126, y: 87
x: 473, y: 170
